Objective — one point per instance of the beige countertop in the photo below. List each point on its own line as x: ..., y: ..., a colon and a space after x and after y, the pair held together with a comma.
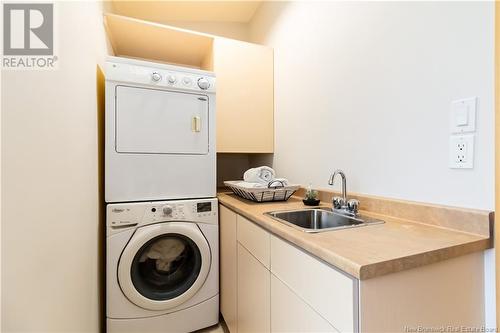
x: 370, y: 251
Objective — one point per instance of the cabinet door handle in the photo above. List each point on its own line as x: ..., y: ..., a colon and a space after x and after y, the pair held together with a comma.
x: 196, y: 124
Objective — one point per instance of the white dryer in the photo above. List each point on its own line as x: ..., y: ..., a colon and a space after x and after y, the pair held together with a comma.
x: 162, y: 266
x: 159, y: 132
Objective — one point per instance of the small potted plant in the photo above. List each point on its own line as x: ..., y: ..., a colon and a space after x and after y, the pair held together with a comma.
x: 311, y: 197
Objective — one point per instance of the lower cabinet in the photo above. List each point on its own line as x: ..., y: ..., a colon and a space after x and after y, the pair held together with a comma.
x: 254, y: 294
x: 253, y: 298
x: 331, y: 293
x: 269, y: 285
x: 289, y: 313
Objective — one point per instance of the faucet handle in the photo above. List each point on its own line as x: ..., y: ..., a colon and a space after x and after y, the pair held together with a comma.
x: 338, y: 202
x: 353, y: 205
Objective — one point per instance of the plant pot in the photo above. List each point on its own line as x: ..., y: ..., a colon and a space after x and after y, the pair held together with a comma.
x: 311, y: 202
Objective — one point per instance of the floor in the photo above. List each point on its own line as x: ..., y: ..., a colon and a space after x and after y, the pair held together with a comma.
x: 221, y: 327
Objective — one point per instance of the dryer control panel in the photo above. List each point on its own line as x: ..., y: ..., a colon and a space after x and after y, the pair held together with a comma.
x: 122, y: 216
x: 160, y: 75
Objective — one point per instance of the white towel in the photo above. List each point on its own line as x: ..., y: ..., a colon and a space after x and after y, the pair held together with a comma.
x: 252, y: 185
x: 263, y: 174
x: 278, y: 182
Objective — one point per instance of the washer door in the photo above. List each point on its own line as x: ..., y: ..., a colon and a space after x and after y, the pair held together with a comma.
x: 164, y: 265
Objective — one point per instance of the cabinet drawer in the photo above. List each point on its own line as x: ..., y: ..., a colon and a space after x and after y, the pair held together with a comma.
x: 329, y: 292
x: 255, y: 239
x: 289, y: 313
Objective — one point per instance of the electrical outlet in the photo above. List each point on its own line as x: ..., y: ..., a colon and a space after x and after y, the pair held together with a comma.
x: 462, y: 151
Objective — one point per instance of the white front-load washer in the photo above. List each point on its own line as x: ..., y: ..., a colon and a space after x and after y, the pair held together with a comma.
x: 162, y: 266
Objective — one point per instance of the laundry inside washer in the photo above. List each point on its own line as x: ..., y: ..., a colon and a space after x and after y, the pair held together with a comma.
x: 164, y: 252
x: 167, y: 267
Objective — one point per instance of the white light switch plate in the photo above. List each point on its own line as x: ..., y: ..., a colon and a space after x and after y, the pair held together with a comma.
x: 462, y: 151
x: 463, y: 115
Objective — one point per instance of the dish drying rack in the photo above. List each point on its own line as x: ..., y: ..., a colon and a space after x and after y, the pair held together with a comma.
x: 275, y: 191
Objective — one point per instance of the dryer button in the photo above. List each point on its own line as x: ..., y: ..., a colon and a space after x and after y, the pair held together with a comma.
x: 203, y: 83
x: 171, y: 79
x: 156, y: 76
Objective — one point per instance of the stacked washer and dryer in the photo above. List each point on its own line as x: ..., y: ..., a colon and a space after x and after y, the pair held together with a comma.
x: 162, y: 271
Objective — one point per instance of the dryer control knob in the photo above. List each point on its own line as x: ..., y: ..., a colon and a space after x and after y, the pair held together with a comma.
x: 203, y: 83
x: 171, y: 79
x: 167, y: 210
x: 156, y: 76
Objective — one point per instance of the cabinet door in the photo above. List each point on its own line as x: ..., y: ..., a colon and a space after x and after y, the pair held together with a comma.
x: 228, y: 268
x: 329, y: 292
x: 254, y: 288
x: 289, y: 313
x: 255, y: 239
x: 245, y: 96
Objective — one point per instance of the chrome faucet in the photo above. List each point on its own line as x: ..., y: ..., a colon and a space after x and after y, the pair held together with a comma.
x: 342, y: 204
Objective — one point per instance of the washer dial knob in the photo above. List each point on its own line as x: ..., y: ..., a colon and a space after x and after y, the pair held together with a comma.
x: 156, y: 76
x: 171, y: 79
x: 203, y: 83
x: 167, y: 210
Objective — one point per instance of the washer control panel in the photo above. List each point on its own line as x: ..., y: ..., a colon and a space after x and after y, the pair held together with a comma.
x: 196, y: 211
x: 124, y: 215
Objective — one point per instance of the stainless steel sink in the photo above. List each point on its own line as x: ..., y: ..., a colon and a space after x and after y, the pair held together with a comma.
x: 320, y: 219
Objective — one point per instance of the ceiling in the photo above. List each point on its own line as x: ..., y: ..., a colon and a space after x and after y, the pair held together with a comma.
x: 202, y: 11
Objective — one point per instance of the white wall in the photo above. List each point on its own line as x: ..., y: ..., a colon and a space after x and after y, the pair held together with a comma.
x: 366, y: 87
x: 50, y: 206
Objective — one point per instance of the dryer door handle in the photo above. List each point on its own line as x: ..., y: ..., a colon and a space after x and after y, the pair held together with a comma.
x: 196, y: 124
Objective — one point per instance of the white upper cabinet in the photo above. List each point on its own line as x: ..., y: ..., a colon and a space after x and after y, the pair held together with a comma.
x: 245, y: 96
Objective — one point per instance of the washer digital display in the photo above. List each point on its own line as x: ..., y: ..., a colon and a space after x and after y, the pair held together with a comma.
x: 203, y: 207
